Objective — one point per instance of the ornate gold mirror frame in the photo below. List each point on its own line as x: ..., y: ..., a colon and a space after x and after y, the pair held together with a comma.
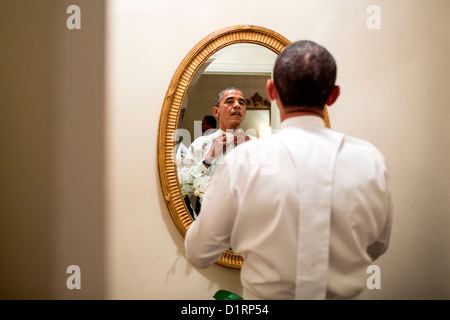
x: 171, y: 111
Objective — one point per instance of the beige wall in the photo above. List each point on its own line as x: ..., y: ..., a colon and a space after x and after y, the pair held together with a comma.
x: 80, y: 122
x: 52, y: 158
x: 26, y: 164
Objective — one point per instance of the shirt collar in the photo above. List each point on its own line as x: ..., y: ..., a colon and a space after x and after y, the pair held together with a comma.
x: 220, y: 131
x: 299, y: 121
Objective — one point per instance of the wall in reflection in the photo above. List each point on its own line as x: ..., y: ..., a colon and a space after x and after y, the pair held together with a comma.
x: 208, y: 86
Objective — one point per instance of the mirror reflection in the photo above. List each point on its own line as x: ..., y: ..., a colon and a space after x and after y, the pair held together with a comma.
x: 213, y: 120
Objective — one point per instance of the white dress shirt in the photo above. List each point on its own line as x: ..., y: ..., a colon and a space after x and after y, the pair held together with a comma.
x: 191, y: 165
x: 308, y: 208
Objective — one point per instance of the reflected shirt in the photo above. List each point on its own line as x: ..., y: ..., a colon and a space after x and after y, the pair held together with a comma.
x: 252, y: 206
x: 191, y: 167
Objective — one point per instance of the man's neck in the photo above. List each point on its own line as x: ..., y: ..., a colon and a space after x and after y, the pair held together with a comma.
x: 291, y: 112
x: 230, y: 129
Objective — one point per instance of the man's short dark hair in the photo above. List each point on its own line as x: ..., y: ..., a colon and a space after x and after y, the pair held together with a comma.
x: 210, y: 120
x: 304, y: 74
x: 219, y: 96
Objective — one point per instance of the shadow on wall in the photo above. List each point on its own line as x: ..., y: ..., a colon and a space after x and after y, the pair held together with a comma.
x: 220, y: 278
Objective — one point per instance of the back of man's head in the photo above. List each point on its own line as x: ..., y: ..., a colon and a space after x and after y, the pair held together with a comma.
x: 211, y: 121
x: 304, y: 74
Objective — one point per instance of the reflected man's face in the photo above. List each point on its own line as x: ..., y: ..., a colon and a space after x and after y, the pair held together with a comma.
x: 231, y: 110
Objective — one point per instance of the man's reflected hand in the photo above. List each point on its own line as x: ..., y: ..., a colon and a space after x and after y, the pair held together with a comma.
x: 240, y: 137
x: 218, y: 146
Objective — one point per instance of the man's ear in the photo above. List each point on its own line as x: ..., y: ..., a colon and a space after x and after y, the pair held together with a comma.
x: 215, y: 111
x: 271, y: 90
x: 334, y: 95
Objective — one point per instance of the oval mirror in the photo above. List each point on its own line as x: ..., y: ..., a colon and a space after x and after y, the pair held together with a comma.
x: 211, y: 57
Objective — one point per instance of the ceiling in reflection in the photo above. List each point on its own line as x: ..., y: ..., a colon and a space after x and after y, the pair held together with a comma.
x: 241, y: 59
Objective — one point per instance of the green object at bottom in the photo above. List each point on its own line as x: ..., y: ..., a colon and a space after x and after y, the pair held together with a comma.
x: 226, y: 295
